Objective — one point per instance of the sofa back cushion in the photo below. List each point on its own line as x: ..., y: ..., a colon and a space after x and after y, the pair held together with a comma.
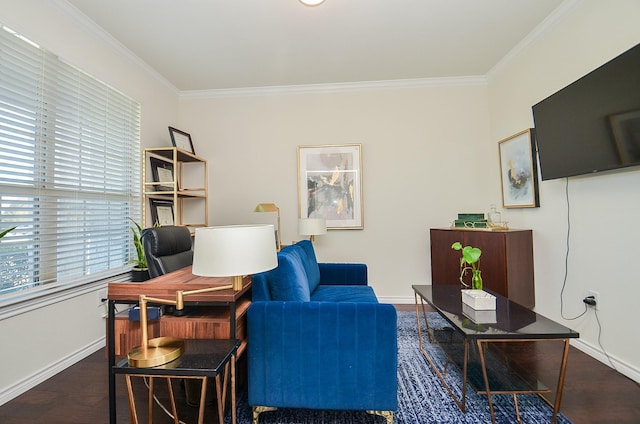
x: 310, y: 263
x: 289, y: 280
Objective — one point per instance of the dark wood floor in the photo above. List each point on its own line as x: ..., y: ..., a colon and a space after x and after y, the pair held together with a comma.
x: 593, y: 393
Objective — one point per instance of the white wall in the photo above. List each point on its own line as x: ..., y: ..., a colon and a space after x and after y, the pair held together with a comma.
x: 424, y: 154
x: 603, y: 207
x: 63, y: 330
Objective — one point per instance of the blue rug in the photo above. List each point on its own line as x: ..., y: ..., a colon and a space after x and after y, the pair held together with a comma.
x: 421, y: 396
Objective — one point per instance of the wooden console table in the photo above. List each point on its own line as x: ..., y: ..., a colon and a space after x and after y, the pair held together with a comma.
x: 507, y: 268
x: 165, y: 287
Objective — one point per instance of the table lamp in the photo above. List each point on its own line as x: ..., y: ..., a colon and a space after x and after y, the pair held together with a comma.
x: 271, y: 207
x: 225, y: 251
x: 312, y: 227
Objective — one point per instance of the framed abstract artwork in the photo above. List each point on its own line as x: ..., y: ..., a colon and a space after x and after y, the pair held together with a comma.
x: 330, y: 184
x: 518, y: 171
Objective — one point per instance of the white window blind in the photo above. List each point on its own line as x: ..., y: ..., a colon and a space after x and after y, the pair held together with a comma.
x: 69, y: 172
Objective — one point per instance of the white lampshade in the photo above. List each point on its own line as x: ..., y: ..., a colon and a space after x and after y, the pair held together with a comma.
x: 311, y: 2
x: 234, y: 250
x: 312, y: 226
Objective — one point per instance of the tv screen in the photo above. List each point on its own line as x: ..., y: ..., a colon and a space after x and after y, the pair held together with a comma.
x: 594, y: 123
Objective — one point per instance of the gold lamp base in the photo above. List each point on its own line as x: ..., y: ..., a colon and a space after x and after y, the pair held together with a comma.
x: 158, y: 351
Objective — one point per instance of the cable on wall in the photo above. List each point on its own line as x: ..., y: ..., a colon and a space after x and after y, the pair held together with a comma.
x: 564, y: 283
x: 566, y: 257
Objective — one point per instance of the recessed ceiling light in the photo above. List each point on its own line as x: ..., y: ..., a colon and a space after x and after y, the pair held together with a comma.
x: 311, y: 2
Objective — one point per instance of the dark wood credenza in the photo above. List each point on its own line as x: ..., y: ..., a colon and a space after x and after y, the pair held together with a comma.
x: 506, y: 261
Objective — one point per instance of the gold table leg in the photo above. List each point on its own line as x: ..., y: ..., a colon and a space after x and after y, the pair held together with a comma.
x: 559, y: 386
x: 460, y: 402
x: 150, y: 400
x: 174, y: 410
x: 132, y: 402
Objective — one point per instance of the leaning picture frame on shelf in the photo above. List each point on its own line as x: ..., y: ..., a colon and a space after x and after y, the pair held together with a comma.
x: 162, y: 174
x: 161, y: 212
x: 181, y: 140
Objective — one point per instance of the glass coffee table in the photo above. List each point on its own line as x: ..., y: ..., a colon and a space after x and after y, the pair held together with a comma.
x: 466, y: 343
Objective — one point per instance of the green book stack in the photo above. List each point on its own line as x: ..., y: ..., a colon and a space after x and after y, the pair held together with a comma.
x: 471, y: 220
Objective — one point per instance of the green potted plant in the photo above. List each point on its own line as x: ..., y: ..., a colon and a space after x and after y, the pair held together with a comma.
x: 470, y: 260
x: 140, y: 271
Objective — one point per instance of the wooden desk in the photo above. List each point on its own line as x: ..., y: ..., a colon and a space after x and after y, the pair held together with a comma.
x: 165, y: 287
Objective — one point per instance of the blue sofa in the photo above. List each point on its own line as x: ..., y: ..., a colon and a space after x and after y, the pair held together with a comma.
x: 319, y: 339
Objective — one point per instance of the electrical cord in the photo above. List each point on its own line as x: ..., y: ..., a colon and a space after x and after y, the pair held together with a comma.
x: 566, y: 257
x: 564, y: 283
x: 600, y: 342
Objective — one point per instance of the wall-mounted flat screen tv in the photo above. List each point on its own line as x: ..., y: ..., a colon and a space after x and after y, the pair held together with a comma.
x: 593, y: 124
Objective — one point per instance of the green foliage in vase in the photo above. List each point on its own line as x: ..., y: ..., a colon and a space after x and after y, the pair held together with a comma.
x: 470, y: 260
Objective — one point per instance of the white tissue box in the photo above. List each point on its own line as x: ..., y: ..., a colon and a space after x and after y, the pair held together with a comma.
x: 479, y: 300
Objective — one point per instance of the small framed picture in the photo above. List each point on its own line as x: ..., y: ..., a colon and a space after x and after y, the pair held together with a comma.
x: 162, y: 173
x: 330, y: 184
x: 181, y: 140
x: 518, y: 171
x: 161, y: 211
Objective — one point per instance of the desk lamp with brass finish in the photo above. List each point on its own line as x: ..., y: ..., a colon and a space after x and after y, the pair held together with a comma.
x: 226, y: 251
x: 271, y: 207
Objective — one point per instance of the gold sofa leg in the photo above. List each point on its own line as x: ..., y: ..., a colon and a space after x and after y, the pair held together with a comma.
x: 388, y: 415
x: 257, y: 410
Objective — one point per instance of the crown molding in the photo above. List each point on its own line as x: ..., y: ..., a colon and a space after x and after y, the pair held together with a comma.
x: 336, y: 87
x: 556, y: 17
x: 91, y: 27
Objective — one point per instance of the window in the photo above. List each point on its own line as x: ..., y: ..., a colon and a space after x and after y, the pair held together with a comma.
x: 69, y: 172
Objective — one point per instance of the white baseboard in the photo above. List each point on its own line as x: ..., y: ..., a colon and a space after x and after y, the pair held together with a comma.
x: 612, y: 362
x: 33, y: 380
x: 397, y: 300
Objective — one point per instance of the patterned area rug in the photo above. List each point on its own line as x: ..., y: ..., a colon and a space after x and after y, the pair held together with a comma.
x: 421, y: 396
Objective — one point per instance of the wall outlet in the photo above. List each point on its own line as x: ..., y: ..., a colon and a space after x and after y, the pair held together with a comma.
x: 596, y: 297
x: 102, y: 294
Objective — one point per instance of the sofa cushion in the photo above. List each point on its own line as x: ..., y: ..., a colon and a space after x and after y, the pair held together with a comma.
x: 289, y: 280
x: 310, y: 263
x: 358, y: 294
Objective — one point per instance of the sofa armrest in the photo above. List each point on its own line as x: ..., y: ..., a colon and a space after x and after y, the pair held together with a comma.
x: 349, y: 274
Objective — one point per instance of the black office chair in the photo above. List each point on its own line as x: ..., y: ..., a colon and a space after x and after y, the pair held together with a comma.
x: 167, y: 249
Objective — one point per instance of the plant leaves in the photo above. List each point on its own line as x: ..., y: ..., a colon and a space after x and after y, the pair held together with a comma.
x: 471, y: 255
x: 4, y: 233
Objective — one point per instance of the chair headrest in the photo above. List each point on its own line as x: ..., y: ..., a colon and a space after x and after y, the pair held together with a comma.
x: 167, y: 240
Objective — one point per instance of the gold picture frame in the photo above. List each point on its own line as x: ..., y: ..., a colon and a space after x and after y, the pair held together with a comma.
x: 518, y: 171
x: 330, y: 185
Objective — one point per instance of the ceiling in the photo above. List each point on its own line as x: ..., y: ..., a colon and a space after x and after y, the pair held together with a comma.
x: 227, y: 44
